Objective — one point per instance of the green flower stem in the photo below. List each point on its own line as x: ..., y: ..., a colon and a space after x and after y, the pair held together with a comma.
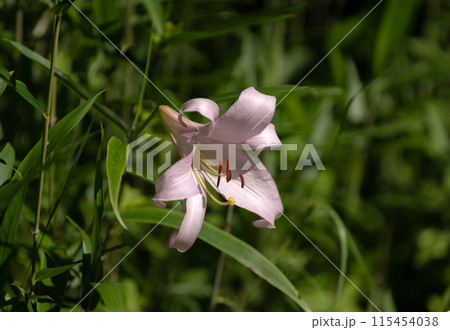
x: 44, y: 151
x: 220, y: 263
x: 144, y: 82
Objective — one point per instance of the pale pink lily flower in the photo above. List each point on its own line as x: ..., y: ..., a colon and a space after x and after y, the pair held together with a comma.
x: 247, y: 122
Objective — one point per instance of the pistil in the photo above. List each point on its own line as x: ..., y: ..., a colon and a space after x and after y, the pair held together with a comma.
x: 231, y: 200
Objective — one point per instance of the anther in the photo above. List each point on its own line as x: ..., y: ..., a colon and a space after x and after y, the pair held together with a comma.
x: 242, y: 180
x: 228, y: 171
x: 220, y: 172
x: 220, y: 167
x: 231, y: 201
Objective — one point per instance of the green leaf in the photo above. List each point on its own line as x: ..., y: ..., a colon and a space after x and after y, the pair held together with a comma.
x: 7, y: 157
x: 223, y: 241
x: 156, y: 13
x: 70, y: 83
x: 116, y: 160
x: 112, y: 296
x: 393, y: 28
x: 87, y: 247
x: 52, y: 272
x: 9, y: 226
x: 21, y: 89
x: 30, y: 166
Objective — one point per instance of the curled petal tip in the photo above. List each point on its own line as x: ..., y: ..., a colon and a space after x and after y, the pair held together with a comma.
x: 181, y: 121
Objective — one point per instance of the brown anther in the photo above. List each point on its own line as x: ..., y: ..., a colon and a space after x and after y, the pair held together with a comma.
x: 242, y: 180
x: 220, y: 172
x: 220, y: 167
x: 228, y: 171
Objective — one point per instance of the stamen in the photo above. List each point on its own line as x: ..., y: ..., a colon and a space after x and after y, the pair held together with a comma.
x: 228, y: 171
x: 220, y: 167
x: 231, y: 200
x: 220, y: 172
x: 242, y: 180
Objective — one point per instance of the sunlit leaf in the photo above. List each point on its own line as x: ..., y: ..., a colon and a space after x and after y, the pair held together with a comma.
x: 112, y: 296
x: 223, y: 241
x: 116, y: 160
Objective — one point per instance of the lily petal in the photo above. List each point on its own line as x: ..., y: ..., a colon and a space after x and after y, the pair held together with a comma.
x: 247, y: 117
x: 267, y: 139
x: 176, y: 183
x: 185, y: 237
x: 259, y: 195
x: 205, y: 107
x: 263, y: 224
x: 177, y: 131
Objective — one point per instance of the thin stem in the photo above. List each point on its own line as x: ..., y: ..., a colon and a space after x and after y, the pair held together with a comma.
x: 220, y: 263
x: 144, y: 82
x: 44, y: 152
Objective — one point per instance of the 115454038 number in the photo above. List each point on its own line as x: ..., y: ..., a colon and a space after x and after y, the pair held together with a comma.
x: 403, y: 321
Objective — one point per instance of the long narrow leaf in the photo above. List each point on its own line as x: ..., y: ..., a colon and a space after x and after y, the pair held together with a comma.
x: 223, y: 241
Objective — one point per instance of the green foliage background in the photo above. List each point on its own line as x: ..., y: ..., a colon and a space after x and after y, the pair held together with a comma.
x: 376, y: 109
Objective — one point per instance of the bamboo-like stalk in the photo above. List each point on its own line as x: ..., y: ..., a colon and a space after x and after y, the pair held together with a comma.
x: 44, y: 151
